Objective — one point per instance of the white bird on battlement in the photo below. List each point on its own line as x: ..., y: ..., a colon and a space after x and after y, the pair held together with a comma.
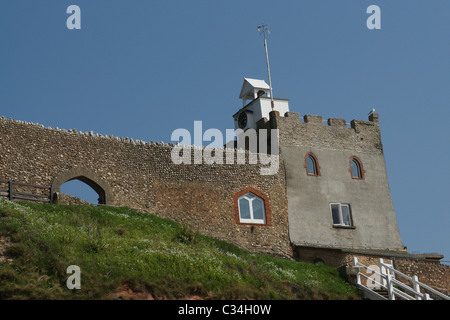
x: 372, y: 111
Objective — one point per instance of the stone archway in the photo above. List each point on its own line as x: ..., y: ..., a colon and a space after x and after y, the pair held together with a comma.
x: 90, y: 178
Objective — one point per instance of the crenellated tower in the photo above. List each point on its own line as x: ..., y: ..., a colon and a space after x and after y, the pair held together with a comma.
x: 336, y: 180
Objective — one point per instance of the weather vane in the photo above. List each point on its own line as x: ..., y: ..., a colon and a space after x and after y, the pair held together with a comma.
x: 262, y: 30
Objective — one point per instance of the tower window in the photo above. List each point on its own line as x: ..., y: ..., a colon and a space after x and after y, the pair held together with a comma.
x: 251, y: 209
x: 356, y: 168
x: 312, y: 168
x: 341, y: 214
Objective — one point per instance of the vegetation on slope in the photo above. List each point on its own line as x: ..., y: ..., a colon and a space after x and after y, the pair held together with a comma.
x: 119, y: 248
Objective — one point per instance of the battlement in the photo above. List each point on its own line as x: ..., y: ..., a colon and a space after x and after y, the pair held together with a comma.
x: 290, y: 120
x: 333, y: 133
x: 318, y: 120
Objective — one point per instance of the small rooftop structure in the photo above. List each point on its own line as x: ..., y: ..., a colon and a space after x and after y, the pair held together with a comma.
x: 252, y: 88
x: 260, y: 105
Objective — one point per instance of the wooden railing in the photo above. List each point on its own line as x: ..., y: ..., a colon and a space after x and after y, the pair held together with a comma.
x: 24, y: 191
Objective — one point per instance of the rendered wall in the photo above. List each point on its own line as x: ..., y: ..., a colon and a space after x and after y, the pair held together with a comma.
x: 309, y: 197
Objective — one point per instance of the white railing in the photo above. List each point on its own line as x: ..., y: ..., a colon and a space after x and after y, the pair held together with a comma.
x: 383, y: 277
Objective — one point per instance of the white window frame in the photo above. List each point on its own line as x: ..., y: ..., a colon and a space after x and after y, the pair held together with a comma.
x: 341, y: 218
x: 252, y: 220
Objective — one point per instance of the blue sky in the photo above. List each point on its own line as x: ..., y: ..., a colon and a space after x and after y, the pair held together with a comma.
x: 142, y: 69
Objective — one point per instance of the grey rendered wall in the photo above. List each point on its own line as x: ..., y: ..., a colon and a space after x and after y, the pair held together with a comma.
x: 309, y: 197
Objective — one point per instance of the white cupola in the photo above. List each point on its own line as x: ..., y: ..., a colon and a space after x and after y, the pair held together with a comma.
x: 257, y: 104
x: 252, y: 88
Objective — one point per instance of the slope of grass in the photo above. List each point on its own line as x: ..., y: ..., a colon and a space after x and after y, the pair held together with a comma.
x: 117, y: 247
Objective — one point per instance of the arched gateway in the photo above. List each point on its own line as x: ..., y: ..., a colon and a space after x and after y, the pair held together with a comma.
x: 90, y: 178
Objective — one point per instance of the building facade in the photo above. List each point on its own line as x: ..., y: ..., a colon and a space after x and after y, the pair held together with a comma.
x: 330, y: 191
x: 328, y: 200
x: 337, y: 187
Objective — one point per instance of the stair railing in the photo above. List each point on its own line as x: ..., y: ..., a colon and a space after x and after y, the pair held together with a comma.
x: 383, y: 277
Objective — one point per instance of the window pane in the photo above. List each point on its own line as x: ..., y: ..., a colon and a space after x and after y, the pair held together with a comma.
x: 335, y: 214
x: 258, y: 209
x: 244, y: 209
x: 310, y: 165
x: 347, y: 220
x: 356, y: 172
x: 249, y: 196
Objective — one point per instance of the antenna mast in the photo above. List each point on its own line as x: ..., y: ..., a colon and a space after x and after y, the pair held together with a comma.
x: 263, y: 29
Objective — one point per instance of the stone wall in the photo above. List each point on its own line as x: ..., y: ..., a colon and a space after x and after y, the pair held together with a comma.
x: 434, y: 274
x: 142, y: 175
x: 67, y: 199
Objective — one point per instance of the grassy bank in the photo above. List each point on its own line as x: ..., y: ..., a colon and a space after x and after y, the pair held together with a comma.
x: 122, y: 249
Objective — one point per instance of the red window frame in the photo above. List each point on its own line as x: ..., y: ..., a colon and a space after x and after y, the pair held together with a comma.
x: 316, y: 162
x: 361, y: 170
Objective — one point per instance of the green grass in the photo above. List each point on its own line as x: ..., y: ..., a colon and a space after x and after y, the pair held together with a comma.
x: 117, y: 247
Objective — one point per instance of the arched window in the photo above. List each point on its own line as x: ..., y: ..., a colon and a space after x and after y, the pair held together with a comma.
x: 356, y: 168
x: 252, y: 207
x: 312, y: 168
